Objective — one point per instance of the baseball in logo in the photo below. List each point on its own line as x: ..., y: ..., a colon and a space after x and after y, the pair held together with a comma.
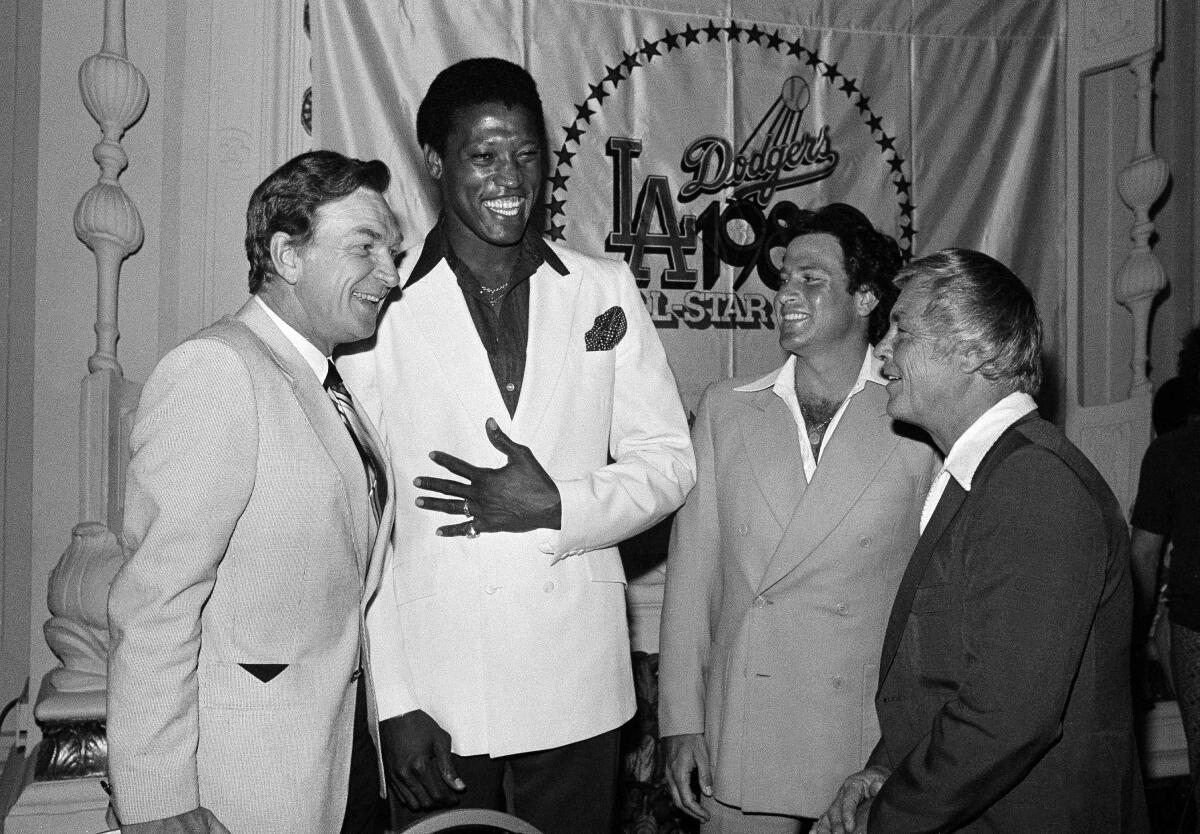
x: 702, y: 219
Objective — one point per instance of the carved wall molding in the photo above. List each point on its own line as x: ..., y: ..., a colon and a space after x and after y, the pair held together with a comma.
x: 1109, y: 22
x: 1107, y: 32
x: 239, y: 118
x: 1104, y: 39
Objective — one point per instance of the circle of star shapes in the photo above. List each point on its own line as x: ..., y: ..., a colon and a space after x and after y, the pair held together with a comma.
x: 644, y: 55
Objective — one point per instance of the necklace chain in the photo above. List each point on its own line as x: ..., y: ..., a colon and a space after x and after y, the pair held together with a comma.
x: 810, y: 413
x: 818, y: 426
x: 493, y: 293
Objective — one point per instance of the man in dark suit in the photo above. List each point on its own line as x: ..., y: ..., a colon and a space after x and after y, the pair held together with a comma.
x: 1004, y: 698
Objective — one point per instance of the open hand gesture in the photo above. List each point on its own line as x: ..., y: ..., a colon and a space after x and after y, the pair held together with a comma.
x: 518, y: 497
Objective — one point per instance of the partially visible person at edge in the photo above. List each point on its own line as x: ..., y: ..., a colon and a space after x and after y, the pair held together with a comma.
x: 786, y: 556
x: 1167, y: 513
x: 533, y: 376
x: 1004, y: 696
x: 256, y: 519
x: 1177, y: 401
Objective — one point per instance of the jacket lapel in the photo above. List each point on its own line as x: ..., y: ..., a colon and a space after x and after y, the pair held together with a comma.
x: 323, y: 417
x: 948, y: 506
x: 381, y: 533
x: 550, y: 296
x: 769, y: 437
x: 858, y: 449
x: 436, y: 310
x: 944, y: 514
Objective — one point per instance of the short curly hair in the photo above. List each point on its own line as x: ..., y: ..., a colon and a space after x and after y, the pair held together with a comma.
x: 288, y: 199
x: 870, y: 257
x: 471, y: 82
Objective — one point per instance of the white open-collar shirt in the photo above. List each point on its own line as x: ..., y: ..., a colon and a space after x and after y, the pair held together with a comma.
x: 969, y: 450
x: 783, y: 383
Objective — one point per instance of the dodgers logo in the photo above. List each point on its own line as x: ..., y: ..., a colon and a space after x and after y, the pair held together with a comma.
x: 731, y: 205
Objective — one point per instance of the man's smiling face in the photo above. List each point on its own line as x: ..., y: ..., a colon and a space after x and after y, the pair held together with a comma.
x: 343, y: 274
x: 814, y: 307
x: 926, y: 383
x: 490, y: 176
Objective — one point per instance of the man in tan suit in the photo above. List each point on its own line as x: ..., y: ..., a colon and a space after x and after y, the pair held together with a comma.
x: 256, y: 514
x: 785, y: 558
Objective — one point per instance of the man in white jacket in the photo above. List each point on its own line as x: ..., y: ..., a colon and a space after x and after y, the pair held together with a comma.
x: 534, y: 376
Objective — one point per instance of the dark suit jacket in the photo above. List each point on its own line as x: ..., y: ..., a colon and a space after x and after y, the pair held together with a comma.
x: 1004, y: 697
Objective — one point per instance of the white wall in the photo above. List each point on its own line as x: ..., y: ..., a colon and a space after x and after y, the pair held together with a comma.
x: 20, y: 35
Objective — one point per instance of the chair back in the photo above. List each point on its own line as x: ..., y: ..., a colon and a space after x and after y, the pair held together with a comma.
x: 464, y: 817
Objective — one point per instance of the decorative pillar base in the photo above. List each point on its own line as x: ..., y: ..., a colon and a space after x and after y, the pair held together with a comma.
x: 71, y: 750
x: 65, y: 796
x: 66, y: 806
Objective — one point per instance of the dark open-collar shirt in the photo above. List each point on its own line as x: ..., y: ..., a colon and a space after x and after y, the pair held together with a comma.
x: 502, y: 322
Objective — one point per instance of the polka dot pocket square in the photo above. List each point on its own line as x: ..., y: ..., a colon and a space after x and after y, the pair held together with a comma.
x: 608, y: 329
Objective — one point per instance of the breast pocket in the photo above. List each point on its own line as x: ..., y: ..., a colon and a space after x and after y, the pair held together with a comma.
x: 594, y: 383
x: 935, y: 627
x: 932, y: 598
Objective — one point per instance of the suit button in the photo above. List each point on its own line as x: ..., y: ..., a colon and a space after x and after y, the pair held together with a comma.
x: 865, y: 541
x: 548, y: 587
x: 842, y: 608
x: 838, y: 681
x: 356, y: 674
x: 760, y: 601
x: 744, y: 529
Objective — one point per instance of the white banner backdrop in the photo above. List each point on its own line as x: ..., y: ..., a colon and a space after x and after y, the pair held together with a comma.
x: 683, y: 134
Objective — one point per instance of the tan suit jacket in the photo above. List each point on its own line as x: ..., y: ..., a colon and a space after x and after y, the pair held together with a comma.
x: 778, y: 592
x: 518, y: 641
x: 237, y: 618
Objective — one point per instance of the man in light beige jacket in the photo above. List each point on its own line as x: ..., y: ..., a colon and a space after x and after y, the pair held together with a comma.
x: 256, y: 515
x: 785, y: 558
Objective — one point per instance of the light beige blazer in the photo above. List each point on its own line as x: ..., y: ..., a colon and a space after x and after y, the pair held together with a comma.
x: 508, y: 649
x: 778, y: 593
x: 252, y: 553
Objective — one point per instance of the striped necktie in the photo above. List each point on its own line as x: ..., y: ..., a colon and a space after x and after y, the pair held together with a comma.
x: 376, y: 480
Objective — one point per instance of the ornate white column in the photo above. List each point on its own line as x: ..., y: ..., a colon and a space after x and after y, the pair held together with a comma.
x: 73, y: 755
x: 114, y: 92
x: 1107, y: 38
x: 1140, y: 184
